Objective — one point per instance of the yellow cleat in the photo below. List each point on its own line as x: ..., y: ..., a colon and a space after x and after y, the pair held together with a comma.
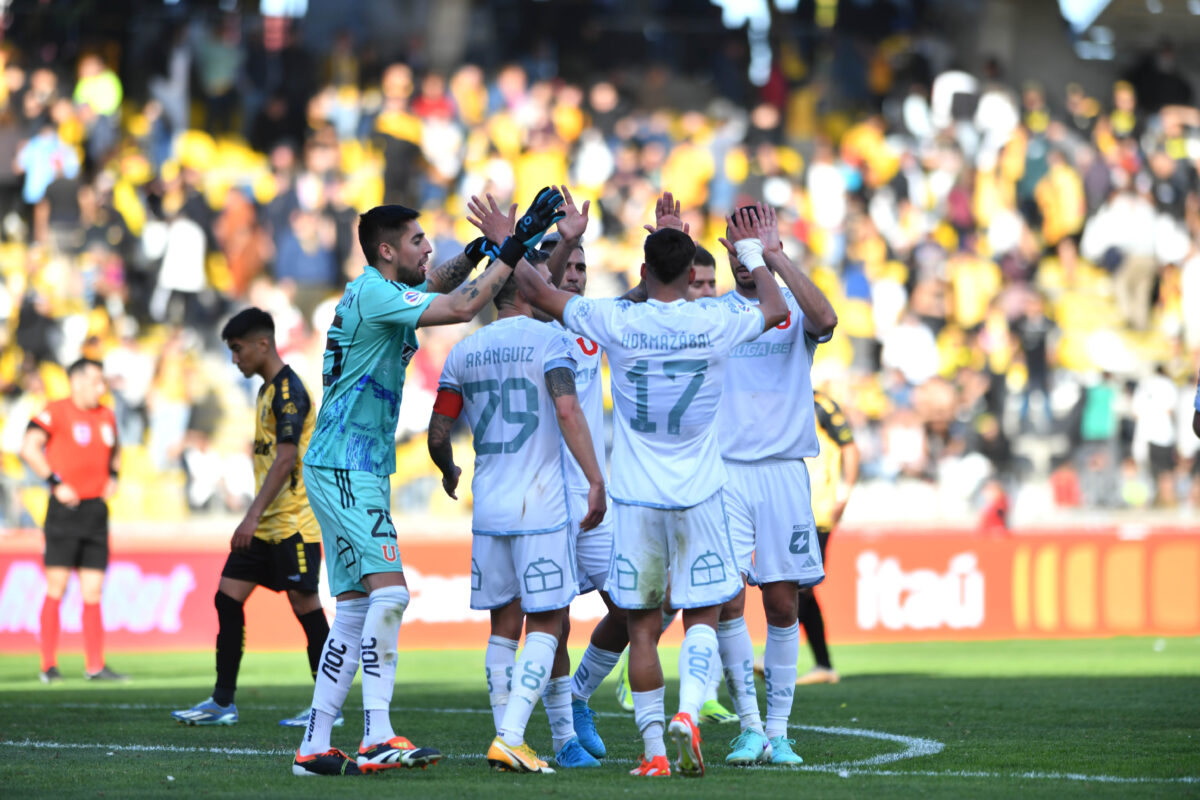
x: 522, y: 758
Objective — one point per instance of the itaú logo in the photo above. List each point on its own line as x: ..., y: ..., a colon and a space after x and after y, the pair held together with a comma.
x: 920, y: 599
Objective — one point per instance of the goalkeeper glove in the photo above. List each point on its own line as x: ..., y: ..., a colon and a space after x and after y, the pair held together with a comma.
x: 537, y: 219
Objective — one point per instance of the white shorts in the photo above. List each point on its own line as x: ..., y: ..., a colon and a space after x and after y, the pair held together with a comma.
x: 593, y: 549
x: 771, y: 522
x: 539, y: 568
x: 691, y: 546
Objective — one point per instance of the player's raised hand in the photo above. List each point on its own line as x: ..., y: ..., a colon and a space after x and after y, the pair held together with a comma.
x: 575, y: 220
x: 667, y: 215
x: 450, y: 481
x: 741, y: 224
x: 491, y: 219
x: 545, y: 210
x: 767, y: 228
x: 597, y: 506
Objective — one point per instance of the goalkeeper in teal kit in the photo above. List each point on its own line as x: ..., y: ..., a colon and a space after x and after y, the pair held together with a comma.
x: 352, y: 455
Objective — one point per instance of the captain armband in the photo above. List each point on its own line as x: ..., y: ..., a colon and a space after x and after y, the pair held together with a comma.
x: 449, y: 403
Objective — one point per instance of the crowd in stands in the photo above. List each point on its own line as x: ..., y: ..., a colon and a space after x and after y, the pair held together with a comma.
x: 1016, y: 269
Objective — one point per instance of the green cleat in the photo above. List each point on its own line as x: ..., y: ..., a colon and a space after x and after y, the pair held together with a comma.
x: 624, y: 690
x: 781, y: 752
x: 713, y: 711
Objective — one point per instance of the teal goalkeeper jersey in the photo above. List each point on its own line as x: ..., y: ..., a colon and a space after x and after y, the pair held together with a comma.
x: 371, y: 341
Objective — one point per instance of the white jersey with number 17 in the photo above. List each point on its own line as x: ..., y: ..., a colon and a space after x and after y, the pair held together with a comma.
x: 500, y: 372
x: 668, y: 371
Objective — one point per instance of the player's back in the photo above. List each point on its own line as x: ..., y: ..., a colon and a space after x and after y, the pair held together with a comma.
x: 668, y: 364
x: 500, y: 370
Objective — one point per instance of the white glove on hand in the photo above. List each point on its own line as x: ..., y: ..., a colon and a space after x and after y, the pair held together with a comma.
x: 750, y: 253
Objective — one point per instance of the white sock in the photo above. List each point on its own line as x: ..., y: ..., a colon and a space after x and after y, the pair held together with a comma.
x: 530, y: 676
x: 649, y: 715
x: 381, y: 629
x: 696, y: 659
x: 557, y: 701
x: 779, y: 663
x: 737, y: 654
x: 668, y: 617
x: 593, y: 668
x: 339, y: 663
x: 498, y: 662
x: 714, y: 683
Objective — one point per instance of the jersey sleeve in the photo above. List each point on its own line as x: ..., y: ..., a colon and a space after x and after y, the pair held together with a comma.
x: 45, y: 420
x: 392, y: 304
x: 742, y: 323
x: 797, y: 315
x: 449, y: 379
x: 291, y: 406
x: 559, y: 353
x: 592, y: 318
x: 832, y: 420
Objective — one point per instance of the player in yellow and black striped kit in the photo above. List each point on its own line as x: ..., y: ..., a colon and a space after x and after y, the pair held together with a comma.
x: 832, y: 474
x: 277, y: 545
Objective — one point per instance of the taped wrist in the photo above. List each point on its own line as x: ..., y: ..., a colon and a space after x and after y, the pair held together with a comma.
x: 750, y: 253
x: 512, y: 251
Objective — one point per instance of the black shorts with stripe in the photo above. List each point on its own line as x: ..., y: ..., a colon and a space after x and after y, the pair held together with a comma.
x: 279, y: 566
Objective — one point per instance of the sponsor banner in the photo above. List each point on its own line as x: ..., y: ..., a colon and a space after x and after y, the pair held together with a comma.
x: 898, y: 587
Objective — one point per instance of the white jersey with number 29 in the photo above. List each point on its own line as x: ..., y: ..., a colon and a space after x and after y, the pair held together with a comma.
x: 500, y: 372
x: 668, y: 371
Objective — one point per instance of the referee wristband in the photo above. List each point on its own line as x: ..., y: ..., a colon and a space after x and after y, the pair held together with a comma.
x: 53, y: 480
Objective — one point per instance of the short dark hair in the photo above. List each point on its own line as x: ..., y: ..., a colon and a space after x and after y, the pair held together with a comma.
x: 380, y: 222
x: 508, y: 289
x: 244, y: 323
x: 703, y: 258
x: 82, y: 364
x: 668, y: 253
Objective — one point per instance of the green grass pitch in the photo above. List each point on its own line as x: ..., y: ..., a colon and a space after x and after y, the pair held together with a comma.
x: 1109, y: 718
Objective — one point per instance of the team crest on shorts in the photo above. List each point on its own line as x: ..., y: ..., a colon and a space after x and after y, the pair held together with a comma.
x: 543, y: 575
x: 708, y: 569
x: 82, y: 433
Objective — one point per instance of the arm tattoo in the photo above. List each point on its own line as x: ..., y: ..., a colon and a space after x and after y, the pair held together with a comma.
x: 449, y: 275
x: 440, y: 449
x: 561, y: 382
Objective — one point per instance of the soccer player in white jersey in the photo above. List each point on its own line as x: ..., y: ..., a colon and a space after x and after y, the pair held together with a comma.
x: 767, y: 498
x: 668, y: 361
x: 511, y: 377
x: 568, y: 271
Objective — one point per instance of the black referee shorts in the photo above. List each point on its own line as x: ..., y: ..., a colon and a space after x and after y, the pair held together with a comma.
x: 77, y: 537
x: 279, y: 566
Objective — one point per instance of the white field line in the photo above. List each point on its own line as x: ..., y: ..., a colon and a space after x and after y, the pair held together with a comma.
x: 914, y: 747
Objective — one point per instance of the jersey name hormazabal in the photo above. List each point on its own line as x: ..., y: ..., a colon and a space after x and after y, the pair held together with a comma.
x: 769, y: 379
x: 668, y: 364
x: 500, y: 371
x: 591, y: 399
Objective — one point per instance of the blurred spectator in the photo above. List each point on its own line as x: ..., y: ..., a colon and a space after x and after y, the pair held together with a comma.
x: 1154, y: 404
x: 98, y: 96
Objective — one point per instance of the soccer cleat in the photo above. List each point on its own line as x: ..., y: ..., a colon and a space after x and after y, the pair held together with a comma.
x: 331, y: 762
x: 713, y: 711
x: 573, y: 755
x: 585, y: 729
x: 51, y: 675
x: 624, y: 690
x: 106, y: 673
x: 396, y: 752
x: 207, y: 712
x: 657, y: 767
x: 781, y: 752
x: 818, y: 675
x: 686, y: 735
x: 301, y: 719
x: 506, y: 758
x: 750, y: 747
